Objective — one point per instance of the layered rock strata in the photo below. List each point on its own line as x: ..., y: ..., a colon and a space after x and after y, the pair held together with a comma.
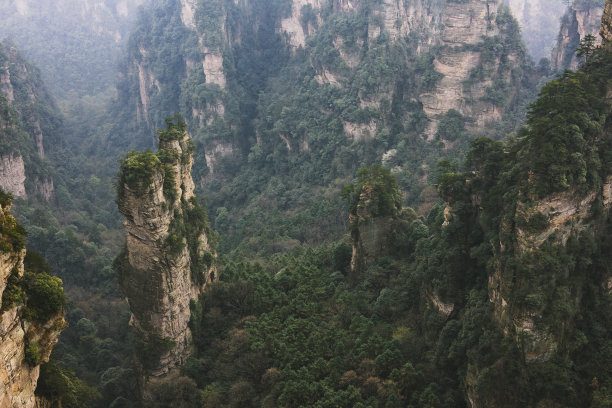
x: 20, y: 337
x: 168, y: 256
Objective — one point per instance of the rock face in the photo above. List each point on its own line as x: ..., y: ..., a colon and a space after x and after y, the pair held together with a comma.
x: 18, y: 74
x: 371, y: 234
x: 168, y: 259
x: 465, y: 25
x: 460, y: 30
x: 18, y: 373
x: 28, y: 127
x: 578, y: 21
x: 563, y: 215
x: 606, y: 23
x: 12, y: 175
x: 539, y: 24
x: 375, y: 216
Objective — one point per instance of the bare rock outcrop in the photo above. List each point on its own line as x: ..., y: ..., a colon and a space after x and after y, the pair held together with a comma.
x: 578, y: 22
x: 169, y: 254
x: 12, y: 175
x: 551, y: 220
x: 25, y: 132
x: 606, y: 23
x: 465, y: 26
x: 26, y: 338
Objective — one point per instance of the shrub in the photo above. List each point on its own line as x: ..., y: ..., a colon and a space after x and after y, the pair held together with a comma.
x: 138, y: 168
x: 12, y: 235
x: 32, y: 353
x: 13, y: 292
x: 45, y: 295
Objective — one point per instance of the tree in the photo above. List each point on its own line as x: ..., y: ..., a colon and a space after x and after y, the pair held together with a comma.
x: 586, y: 48
x: 378, y: 188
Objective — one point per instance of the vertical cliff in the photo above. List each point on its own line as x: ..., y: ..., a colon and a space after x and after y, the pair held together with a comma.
x: 580, y: 20
x: 477, y: 80
x: 376, y: 217
x: 31, y: 316
x: 29, y: 127
x: 539, y: 22
x: 475, y: 46
x: 316, y: 82
x: 606, y: 23
x: 540, y: 211
x: 169, y: 253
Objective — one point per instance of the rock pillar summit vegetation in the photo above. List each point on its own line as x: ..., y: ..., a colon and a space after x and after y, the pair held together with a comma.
x: 376, y: 216
x: 169, y: 253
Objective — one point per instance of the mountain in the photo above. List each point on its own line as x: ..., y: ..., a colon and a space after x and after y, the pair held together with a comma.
x: 31, y: 127
x: 321, y: 87
x: 500, y: 297
x: 32, y: 313
x: 170, y: 249
x: 313, y: 127
x: 540, y: 22
x: 78, y: 42
x: 581, y: 19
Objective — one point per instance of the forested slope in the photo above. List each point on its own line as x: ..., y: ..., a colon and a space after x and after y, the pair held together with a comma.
x: 499, y: 298
x: 287, y: 100
x: 317, y: 125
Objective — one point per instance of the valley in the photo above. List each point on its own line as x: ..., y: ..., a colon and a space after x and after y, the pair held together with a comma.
x: 318, y: 203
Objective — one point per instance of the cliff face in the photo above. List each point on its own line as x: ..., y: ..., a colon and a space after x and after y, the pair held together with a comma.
x: 460, y: 30
x: 539, y: 22
x: 258, y: 82
x: 564, y: 216
x: 12, y: 175
x: 462, y: 58
x: 25, y: 343
x: 371, y: 233
x: 606, y: 23
x: 29, y: 124
x: 463, y: 31
x: 376, y: 217
x: 578, y: 21
x: 168, y: 259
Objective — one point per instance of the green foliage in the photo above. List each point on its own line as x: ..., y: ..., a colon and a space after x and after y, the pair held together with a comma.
x: 197, y: 224
x: 175, y: 241
x: 209, y: 15
x: 587, y: 47
x: 150, y: 350
x: 452, y: 126
x: 174, y: 131
x: 32, y: 353
x: 536, y: 223
x: 13, y: 292
x: 566, y: 123
x: 45, y: 295
x: 5, y: 199
x: 376, y: 190
x: 137, y: 169
x: 56, y: 383
x: 169, y: 187
x: 177, y: 392
x: 294, y: 332
x: 12, y: 235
